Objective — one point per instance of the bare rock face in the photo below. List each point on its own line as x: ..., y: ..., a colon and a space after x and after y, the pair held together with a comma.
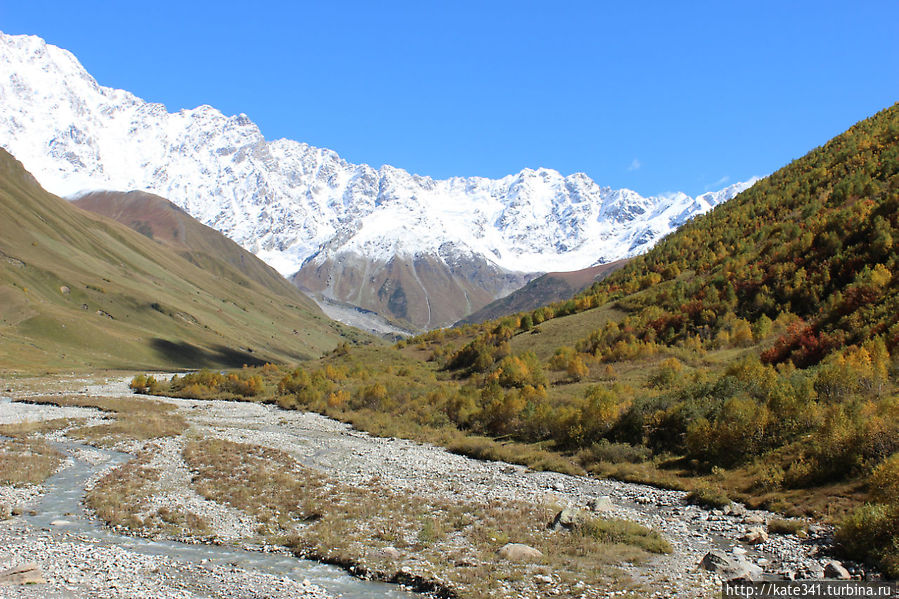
x: 25, y: 573
x: 519, y: 552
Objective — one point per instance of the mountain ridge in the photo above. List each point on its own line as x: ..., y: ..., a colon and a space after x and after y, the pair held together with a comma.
x: 297, y: 206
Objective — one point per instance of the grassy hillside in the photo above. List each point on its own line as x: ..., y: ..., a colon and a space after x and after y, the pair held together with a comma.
x: 78, y: 290
x: 751, y: 355
x: 545, y: 289
x: 163, y: 221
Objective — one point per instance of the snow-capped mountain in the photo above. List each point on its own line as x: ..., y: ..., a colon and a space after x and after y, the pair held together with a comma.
x: 302, y: 208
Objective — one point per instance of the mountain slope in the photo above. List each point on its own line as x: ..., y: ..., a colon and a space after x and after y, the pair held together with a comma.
x: 81, y: 290
x: 294, y: 205
x: 163, y: 221
x: 546, y: 289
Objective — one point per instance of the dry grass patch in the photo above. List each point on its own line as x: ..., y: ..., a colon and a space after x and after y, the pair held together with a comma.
x: 133, y: 419
x: 485, y: 448
x: 121, y: 499
x: 448, y: 546
x: 27, y: 462
x: 38, y: 427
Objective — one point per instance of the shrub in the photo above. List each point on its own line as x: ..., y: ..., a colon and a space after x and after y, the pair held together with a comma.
x: 708, y: 497
x: 625, y: 532
x: 786, y: 527
x: 614, y: 453
x: 871, y: 534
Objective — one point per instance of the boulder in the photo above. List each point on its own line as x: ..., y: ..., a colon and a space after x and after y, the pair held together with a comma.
x: 730, y: 568
x: 567, y: 519
x: 519, y: 552
x: 834, y: 569
x: 754, y: 519
x: 26, y: 573
x: 755, y: 536
x: 390, y: 553
x: 600, y: 504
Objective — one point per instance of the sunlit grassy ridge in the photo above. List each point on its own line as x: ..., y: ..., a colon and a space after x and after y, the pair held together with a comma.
x: 78, y: 290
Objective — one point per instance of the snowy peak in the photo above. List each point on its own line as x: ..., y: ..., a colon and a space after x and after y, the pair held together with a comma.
x: 292, y: 203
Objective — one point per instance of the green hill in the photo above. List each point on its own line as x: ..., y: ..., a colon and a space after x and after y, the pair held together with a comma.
x: 78, y: 290
x: 163, y: 221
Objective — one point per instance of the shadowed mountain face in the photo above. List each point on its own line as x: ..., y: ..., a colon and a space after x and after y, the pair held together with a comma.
x: 80, y: 290
x: 546, y: 289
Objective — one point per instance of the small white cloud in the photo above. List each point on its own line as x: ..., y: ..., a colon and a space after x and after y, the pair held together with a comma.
x: 635, y: 164
x: 718, y: 184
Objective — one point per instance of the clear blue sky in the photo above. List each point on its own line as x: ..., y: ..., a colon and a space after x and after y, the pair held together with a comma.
x: 655, y: 96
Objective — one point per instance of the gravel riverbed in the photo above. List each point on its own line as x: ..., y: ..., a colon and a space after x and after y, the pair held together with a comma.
x: 78, y: 568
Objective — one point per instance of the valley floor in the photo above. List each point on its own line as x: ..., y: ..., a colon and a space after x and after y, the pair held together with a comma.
x: 74, y: 565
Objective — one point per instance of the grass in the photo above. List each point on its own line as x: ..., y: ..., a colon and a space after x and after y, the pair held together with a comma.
x: 37, y: 427
x: 133, y: 419
x: 786, y: 527
x: 627, y: 533
x: 708, y: 497
x: 120, y: 498
x: 216, y: 305
x: 485, y: 448
x: 451, y: 546
x: 27, y: 462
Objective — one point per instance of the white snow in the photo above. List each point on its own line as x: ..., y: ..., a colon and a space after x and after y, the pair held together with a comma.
x: 289, y: 202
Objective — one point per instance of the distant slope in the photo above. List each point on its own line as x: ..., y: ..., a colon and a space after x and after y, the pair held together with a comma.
x: 160, y: 219
x: 79, y: 290
x: 546, y: 289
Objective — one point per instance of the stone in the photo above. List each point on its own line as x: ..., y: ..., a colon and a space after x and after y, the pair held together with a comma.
x: 834, y: 569
x: 60, y: 523
x: 390, y: 553
x: 519, y: 552
x: 64, y: 289
x: 643, y: 500
x: 26, y: 573
x: 754, y: 519
x: 567, y: 519
x: 729, y: 568
x: 755, y: 536
x: 600, y: 504
x: 543, y: 579
x: 557, y: 486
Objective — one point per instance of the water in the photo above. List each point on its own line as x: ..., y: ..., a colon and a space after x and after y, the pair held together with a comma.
x: 62, y: 498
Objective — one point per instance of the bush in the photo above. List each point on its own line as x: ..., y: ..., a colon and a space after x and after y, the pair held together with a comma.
x: 786, y: 527
x: 883, y: 484
x: 614, y: 453
x: 708, y: 497
x: 625, y: 532
x: 871, y: 534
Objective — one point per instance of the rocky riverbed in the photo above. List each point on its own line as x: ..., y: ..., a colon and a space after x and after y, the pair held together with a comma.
x: 82, y: 569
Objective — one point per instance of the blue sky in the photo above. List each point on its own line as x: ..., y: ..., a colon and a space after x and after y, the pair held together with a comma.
x: 654, y: 96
